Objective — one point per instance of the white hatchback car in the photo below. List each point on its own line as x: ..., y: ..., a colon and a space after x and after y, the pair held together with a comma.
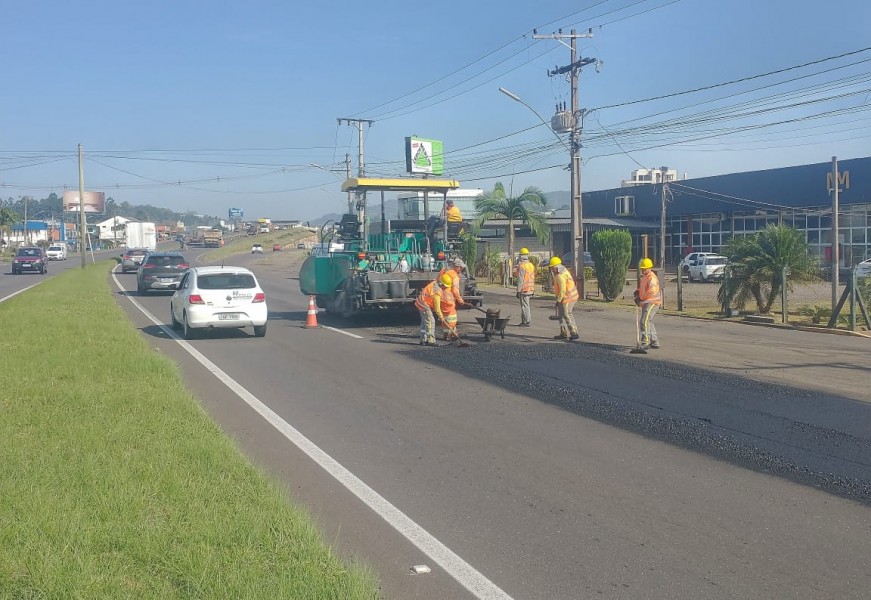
x: 218, y: 298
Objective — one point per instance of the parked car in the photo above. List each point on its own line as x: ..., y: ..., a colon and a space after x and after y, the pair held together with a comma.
x: 131, y: 259
x: 708, y: 267
x: 300, y: 246
x: 218, y: 298
x: 56, y: 252
x: 31, y: 259
x: 257, y: 249
x: 161, y: 271
x: 277, y: 247
x: 863, y: 269
x: 684, y: 265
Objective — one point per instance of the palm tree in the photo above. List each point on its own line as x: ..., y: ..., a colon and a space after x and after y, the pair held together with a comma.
x: 498, y: 204
x: 756, y: 264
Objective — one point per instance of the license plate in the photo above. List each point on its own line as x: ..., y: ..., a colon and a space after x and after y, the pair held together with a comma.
x: 165, y: 279
x: 228, y: 317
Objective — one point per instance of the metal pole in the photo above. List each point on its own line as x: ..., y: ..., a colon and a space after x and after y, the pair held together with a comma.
x: 82, y: 222
x: 663, y: 172
x: 25, y: 220
x: 835, y: 257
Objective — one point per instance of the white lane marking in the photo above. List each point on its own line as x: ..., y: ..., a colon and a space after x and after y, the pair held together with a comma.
x: 464, y: 573
x: 13, y: 294
x: 343, y: 332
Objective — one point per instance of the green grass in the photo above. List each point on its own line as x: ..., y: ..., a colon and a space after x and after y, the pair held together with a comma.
x: 115, y: 484
x: 284, y: 237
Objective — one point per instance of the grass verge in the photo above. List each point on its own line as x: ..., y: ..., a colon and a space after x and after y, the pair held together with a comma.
x: 115, y: 484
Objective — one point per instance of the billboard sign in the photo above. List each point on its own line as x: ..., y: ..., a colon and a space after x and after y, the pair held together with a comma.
x: 424, y: 156
x: 236, y: 213
x: 95, y: 202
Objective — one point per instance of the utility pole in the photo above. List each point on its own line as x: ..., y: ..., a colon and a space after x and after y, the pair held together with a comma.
x: 575, y: 126
x: 26, y: 198
x: 348, y: 176
x: 835, y: 233
x: 82, y: 222
x: 663, y: 174
x: 361, y: 169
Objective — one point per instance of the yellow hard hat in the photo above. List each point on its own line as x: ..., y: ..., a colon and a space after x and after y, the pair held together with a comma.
x: 446, y: 280
x: 645, y: 263
x: 524, y: 251
x: 555, y: 261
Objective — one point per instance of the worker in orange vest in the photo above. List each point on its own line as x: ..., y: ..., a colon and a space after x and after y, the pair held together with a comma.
x: 430, y: 302
x: 649, y: 297
x: 524, y: 272
x: 454, y: 271
x: 566, y: 293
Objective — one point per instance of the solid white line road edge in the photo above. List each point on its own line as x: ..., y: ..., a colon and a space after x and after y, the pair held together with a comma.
x: 464, y: 573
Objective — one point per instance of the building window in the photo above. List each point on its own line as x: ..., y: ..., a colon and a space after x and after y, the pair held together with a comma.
x: 624, y: 205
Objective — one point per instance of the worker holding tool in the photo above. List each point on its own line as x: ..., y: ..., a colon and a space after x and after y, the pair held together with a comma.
x: 566, y: 293
x: 429, y: 303
x: 649, y: 297
x: 454, y: 272
x: 524, y: 272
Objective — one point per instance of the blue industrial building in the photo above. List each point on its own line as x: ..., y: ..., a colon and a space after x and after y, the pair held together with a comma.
x: 703, y: 213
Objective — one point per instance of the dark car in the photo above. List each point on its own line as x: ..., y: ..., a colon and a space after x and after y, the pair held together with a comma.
x: 161, y: 271
x: 277, y: 247
x: 31, y: 259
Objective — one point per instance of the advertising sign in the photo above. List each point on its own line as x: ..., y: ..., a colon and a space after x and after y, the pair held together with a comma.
x: 424, y: 156
x: 95, y: 202
x: 236, y: 213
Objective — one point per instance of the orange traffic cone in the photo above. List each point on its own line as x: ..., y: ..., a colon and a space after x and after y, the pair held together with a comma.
x: 311, y: 319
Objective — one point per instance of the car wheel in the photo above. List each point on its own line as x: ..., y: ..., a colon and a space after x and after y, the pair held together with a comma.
x: 189, y: 332
x: 260, y: 330
x: 172, y: 322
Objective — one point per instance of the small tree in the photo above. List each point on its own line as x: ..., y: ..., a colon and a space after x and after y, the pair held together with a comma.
x: 516, y: 210
x: 756, y: 264
x: 611, y: 250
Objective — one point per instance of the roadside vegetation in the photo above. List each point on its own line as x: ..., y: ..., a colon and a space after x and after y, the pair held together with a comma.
x: 115, y: 484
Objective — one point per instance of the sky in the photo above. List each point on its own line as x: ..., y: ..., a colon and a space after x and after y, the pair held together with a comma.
x: 206, y: 106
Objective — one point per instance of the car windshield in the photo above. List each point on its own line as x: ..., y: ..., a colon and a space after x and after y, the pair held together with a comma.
x: 716, y: 260
x: 226, y: 281
x: 165, y: 261
x: 28, y: 252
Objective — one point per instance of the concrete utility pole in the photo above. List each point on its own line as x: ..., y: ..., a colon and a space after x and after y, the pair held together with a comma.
x: 361, y: 169
x: 664, y: 174
x: 26, y: 198
x: 835, y: 233
x: 348, y: 176
x: 82, y: 222
x: 577, y: 212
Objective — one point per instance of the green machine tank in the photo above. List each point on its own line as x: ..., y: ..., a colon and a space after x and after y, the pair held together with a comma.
x: 348, y: 277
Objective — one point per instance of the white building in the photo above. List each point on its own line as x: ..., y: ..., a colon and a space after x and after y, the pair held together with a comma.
x: 645, y: 176
x: 113, y: 230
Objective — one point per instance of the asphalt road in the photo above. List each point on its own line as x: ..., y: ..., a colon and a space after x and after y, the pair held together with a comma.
x: 732, y: 463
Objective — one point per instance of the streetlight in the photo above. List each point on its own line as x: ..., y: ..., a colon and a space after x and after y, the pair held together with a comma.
x: 577, y: 220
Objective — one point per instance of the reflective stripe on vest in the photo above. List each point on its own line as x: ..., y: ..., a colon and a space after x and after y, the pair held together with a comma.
x: 424, y: 299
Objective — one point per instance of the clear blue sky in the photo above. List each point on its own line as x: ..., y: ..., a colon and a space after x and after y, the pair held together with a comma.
x: 204, y: 106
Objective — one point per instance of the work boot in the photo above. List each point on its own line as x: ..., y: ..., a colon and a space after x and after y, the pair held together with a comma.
x: 655, y: 345
x: 563, y: 335
x: 574, y: 335
x: 527, y: 324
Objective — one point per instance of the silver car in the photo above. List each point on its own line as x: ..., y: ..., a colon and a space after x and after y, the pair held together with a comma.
x: 132, y: 259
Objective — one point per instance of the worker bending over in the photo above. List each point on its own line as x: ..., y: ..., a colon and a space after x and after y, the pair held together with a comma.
x: 430, y: 303
x: 566, y: 293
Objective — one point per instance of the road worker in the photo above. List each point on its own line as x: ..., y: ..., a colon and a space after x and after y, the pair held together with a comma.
x: 452, y: 212
x: 566, y: 293
x: 524, y: 272
x: 454, y: 271
x: 430, y: 305
x: 649, y: 297
x: 362, y: 261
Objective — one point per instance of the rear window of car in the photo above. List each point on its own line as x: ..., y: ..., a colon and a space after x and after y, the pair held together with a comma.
x: 136, y: 252
x: 226, y: 281
x: 28, y: 252
x: 165, y: 261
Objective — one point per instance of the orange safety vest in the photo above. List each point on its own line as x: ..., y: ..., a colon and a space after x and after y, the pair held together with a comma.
x: 455, y: 282
x: 564, y: 287
x: 525, y: 273
x: 648, y: 289
x: 425, y: 298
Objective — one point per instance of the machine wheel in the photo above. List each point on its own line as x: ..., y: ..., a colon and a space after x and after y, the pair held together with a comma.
x: 260, y: 330
x: 189, y: 332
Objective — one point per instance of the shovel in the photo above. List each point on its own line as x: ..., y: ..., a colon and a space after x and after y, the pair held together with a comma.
x: 638, y: 349
x: 460, y: 343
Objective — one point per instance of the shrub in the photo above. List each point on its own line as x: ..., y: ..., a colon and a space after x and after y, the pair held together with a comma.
x: 611, y: 250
